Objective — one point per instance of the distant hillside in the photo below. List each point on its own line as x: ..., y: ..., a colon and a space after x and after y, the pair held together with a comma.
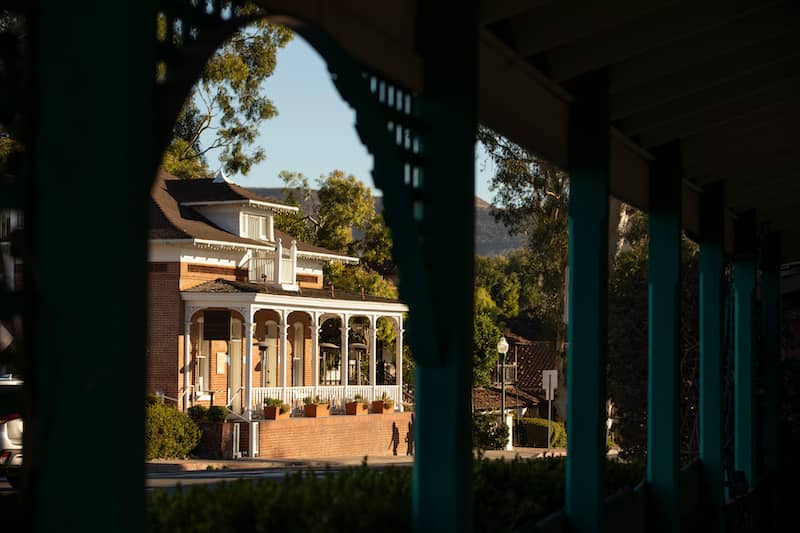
x: 491, y: 238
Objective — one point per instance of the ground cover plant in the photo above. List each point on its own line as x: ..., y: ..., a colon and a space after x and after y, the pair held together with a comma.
x: 507, y: 495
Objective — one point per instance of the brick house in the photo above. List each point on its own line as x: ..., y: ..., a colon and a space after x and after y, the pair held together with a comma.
x: 238, y: 311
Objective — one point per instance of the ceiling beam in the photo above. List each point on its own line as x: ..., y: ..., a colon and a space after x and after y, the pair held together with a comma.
x: 754, y: 173
x: 563, y: 23
x: 719, y: 70
x: 703, y: 153
x: 772, y: 21
x: 746, y: 109
x: 739, y: 89
x: 492, y: 11
x: 640, y: 35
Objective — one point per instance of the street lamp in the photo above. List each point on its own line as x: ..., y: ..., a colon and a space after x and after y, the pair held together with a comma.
x: 502, y: 348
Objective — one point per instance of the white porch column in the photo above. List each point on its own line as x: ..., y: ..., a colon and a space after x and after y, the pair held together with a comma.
x: 293, y: 257
x: 315, y: 351
x: 187, y: 362
x: 282, y: 332
x: 399, y: 360
x: 249, y: 325
x: 278, y: 260
x: 345, y: 352
x: 373, y: 352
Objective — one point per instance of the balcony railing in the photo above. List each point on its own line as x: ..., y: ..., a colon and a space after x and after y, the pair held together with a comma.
x: 510, y: 371
x: 263, y: 269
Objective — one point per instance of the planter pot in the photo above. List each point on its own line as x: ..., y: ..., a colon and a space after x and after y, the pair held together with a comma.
x: 274, y: 413
x: 316, y: 410
x: 355, y: 408
x: 378, y: 407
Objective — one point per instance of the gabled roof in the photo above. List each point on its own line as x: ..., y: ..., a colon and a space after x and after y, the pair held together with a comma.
x: 171, y: 218
x: 532, y: 358
x: 230, y: 286
x: 205, y: 191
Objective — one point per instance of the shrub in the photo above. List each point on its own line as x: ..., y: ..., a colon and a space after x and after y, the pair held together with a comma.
x: 533, y: 433
x: 198, y: 413
x: 488, y: 433
x: 216, y: 413
x: 168, y: 433
x: 272, y: 402
x: 151, y: 399
x: 508, y: 495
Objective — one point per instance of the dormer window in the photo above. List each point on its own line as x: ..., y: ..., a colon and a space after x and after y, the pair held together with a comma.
x: 255, y: 227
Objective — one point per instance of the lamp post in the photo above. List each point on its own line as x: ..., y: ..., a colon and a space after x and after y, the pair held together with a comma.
x: 262, y: 348
x: 502, y: 348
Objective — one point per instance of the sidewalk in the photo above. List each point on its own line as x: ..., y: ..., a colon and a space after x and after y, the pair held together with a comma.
x: 265, y: 463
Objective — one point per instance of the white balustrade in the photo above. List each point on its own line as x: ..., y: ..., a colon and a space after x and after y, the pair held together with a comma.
x: 287, y: 271
x: 294, y: 396
x: 262, y: 269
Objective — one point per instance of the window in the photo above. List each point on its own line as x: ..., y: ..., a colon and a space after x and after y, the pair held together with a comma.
x: 254, y: 226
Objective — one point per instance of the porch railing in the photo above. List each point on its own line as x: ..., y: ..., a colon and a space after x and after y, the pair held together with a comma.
x: 334, y: 394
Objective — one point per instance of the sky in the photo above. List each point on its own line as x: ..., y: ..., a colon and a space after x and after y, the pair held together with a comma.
x: 313, y: 132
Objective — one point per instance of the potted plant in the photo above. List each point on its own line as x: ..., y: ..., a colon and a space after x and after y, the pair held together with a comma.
x: 384, y: 405
x: 315, y: 408
x: 275, y: 409
x: 357, y: 407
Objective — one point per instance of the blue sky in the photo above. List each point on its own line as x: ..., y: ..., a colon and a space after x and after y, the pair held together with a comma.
x: 313, y: 132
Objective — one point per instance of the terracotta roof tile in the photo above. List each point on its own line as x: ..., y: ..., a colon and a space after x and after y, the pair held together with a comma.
x: 484, y: 398
x: 532, y: 358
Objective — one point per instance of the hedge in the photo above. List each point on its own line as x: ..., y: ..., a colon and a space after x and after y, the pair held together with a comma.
x: 507, y: 495
x: 533, y: 433
x: 168, y: 433
x: 488, y: 432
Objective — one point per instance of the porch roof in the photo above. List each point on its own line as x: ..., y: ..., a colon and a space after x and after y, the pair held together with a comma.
x: 229, y: 286
x: 491, y: 398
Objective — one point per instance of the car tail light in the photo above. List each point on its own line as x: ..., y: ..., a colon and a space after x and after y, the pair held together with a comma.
x: 8, y: 418
x: 4, y: 456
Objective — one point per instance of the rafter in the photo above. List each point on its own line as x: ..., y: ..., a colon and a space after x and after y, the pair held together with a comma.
x: 720, y: 70
x: 492, y: 11
x: 638, y: 36
x: 558, y: 24
x: 746, y: 109
x: 739, y: 89
x: 771, y: 22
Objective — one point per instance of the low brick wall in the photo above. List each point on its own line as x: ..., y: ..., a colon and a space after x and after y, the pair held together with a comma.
x: 334, y: 436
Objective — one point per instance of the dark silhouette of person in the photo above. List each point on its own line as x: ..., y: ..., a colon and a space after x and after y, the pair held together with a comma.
x: 395, y: 438
x: 410, y: 437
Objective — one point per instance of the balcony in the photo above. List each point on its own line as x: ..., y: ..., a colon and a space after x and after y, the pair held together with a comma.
x: 264, y: 267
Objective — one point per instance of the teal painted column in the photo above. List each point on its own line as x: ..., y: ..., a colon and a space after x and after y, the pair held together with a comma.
x: 770, y: 328
x: 442, y: 480
x: 93, y: 167
x: 663, y: 404
x: 588, y: 293
x: 744, y: 282
x: 711, y: 267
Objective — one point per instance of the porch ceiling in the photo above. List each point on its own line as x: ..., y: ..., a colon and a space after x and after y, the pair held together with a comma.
x: 721, y: 78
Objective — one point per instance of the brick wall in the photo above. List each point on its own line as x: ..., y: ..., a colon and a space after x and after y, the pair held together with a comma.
x: 334, y: 436
x: 165, y: 328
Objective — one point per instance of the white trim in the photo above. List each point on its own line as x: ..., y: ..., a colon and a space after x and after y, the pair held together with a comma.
x: 249, y: 203
x: 295, y: 303
x: 243, y: 246
x: 321, y: 255
x: 211, y: 243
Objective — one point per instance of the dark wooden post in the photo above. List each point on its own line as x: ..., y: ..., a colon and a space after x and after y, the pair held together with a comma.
x: 95, y: 66
x: 589, y: 153
x: 663, y: 403
x: 447, y: 35
x: 711, y: 297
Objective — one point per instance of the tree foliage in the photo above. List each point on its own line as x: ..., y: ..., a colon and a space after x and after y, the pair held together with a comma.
x: 531, y: 198
x: 228, y: 104
x: 628, y: 340
x: 484, y: 349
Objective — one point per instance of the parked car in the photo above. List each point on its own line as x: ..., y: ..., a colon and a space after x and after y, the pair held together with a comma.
x: 10, y: 430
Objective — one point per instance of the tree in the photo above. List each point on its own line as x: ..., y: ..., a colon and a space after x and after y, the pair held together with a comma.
x: 531, y: 198
x: 228, y: 102
x: 484, y: 349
